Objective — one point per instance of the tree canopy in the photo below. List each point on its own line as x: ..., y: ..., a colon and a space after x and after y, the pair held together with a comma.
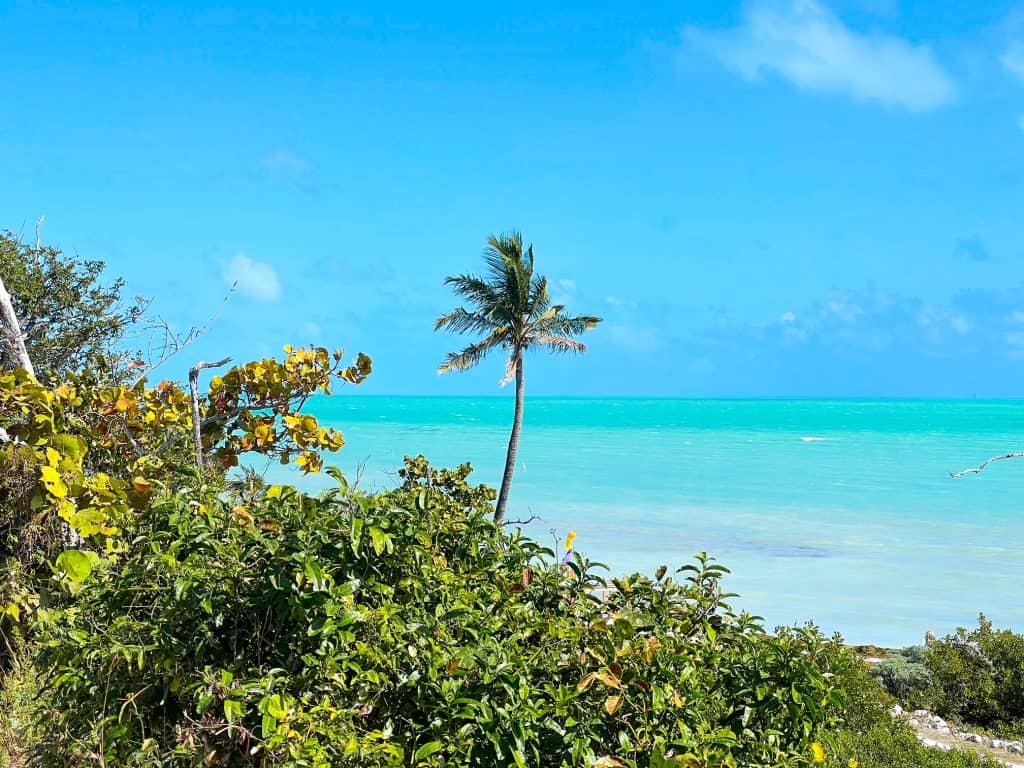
x: 70, y: 316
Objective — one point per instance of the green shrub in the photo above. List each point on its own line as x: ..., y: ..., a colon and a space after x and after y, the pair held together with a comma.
x: 908, y: 681
x: 977, y: 677
x: 405, y: 628
x: 894, y: 745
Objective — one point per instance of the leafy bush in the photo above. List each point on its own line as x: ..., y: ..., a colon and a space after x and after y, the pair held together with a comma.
x: 405, y: 628
x: 905, y: 676
x: 978, y: 676
x: 871, y: 738
x: 894, y: 745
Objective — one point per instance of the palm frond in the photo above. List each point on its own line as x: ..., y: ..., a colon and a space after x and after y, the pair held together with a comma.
x: 510, y: 370
x: 461, y: 320
x: 473, y: 289
x: 473, y: 354
x: 559, y: 324
x: 561, y: 344
x: 540, y: 298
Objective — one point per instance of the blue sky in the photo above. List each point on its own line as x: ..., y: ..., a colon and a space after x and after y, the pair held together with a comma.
x: 768, y: 198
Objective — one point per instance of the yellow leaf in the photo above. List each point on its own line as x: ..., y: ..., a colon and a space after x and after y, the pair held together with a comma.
x: 818, y: 752
x: 242, y: 514
x: 609, y: 679
x: 612, y: 704
x: 141, y: 484
x: 122, y: 404
x: 53, y: 482
x: 14, y: 610
x: 586, y: 682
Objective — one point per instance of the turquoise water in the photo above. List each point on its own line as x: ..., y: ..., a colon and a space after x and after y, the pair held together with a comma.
x: 842, y: 510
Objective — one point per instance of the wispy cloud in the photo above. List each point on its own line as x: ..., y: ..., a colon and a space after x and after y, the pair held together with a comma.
x: 1013, y: 59
x: 805, y: 43
x: 971, y: 248
x: 873, y: 320
x: 285, y: 166
x: 255, y: 279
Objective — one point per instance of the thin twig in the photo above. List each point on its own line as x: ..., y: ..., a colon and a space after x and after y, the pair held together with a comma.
x: 173, y: 343
x: 530, y: 519
x: 977, y: 470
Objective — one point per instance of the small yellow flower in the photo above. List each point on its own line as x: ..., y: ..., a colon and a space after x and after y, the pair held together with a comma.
x: 818, y: 752
x: 569, y: 540
x: 853, y: 763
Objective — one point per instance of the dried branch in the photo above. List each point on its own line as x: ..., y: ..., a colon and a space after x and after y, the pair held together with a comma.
x: 197, y: 426
x: 530, y: 519
x: 174, y: 343
x: 977, y: 470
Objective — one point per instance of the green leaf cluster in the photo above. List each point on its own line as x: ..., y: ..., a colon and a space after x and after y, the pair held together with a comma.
x: 405, y: 628
x: 70, y: 316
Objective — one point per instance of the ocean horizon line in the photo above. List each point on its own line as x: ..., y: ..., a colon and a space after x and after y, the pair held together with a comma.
x: 695, y: 398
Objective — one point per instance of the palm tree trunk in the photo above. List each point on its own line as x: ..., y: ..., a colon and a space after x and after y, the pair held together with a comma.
x: 513, y: 443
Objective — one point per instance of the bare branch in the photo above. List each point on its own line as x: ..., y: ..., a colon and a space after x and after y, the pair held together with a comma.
x: 39, y: 227
x: 360, y: 469
x: 173, y: 343
x: 977, y: 470
x: 530, y: 519
x: 193, y: 385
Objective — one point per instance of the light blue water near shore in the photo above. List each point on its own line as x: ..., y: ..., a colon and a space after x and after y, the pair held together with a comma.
x: 839, y: 510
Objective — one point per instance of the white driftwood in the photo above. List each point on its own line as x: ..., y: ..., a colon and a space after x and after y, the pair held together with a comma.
x: 13, y: 339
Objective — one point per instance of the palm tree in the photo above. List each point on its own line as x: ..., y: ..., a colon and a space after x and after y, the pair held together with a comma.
x: 511, y: 309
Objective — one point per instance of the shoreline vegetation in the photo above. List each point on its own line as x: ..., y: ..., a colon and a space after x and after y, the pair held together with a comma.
x: 163, y: 605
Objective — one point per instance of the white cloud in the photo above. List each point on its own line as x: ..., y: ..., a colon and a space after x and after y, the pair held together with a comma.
x: 805, y: 43
x: 1013, y: 59
x: 255, y: 279
x: 787, y: 317
x: 634, y: 338
x: 960, y: 324
x: 286, y: 166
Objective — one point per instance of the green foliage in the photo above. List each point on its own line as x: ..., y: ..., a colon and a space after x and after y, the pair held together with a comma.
x: 978, y: 677
x: 905, y: 676
x: 69, y: 316
x: 406, y: 628
x: 18, y: 696
x: 82, y: 459
x: 894, y: 745
x: 871, y: 738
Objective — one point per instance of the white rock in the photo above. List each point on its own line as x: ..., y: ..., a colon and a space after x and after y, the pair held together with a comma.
x: 921, y: 714
x: 896, y: 710
x: 934, y: 744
